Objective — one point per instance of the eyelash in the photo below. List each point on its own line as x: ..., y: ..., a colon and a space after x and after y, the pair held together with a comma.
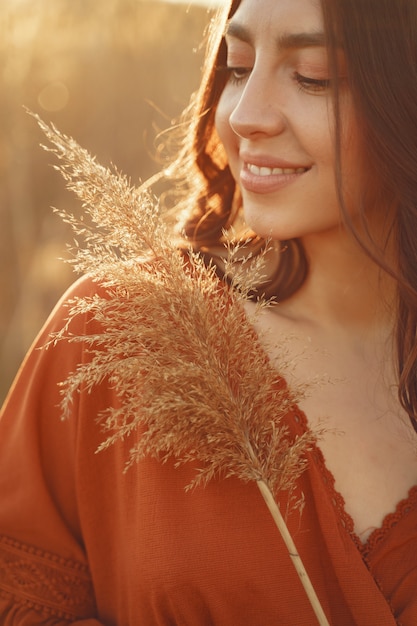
x: 237, y: 75
x: 315, y: 85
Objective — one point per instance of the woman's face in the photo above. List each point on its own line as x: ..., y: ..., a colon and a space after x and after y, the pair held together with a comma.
x: 275, y: 120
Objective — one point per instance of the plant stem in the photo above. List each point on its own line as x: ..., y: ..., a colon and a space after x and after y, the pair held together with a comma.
x: 292, y: 550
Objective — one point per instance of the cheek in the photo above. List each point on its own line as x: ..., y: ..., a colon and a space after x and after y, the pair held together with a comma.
x: 221, y: 122
x: 350, y: 140
x: 355, y: 172
x: 224, y: 110
x: 228, y: 139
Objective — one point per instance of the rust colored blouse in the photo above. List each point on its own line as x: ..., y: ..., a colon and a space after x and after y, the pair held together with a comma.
x: 82, y: 542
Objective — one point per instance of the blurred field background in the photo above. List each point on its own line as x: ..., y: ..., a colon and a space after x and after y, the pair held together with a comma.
x: 111, y: 73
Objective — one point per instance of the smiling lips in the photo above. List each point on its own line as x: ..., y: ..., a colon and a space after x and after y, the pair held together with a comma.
x: 272, y: 171
x: 263, y: 179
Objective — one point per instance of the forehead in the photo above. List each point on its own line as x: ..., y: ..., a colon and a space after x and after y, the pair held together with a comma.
x: 273, y: 18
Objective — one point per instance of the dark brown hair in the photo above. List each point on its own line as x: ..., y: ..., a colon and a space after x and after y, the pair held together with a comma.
x: 379, y: 38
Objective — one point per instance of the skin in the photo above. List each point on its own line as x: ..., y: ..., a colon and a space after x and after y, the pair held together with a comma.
x: 276, y: 112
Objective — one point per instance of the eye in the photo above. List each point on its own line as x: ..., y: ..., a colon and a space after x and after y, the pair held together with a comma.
x: 238, y: 74
x: 235, y: 75
x: 312, y: 85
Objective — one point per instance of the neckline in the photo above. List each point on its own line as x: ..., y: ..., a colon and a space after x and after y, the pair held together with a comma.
x: 403, y: 507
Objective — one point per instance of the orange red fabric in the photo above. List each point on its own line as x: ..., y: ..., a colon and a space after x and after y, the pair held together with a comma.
x: 82, y: 542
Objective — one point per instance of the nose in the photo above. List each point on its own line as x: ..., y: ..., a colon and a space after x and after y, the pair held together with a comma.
x: 259, y: 109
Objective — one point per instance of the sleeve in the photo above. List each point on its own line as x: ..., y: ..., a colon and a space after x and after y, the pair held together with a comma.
x: 44, y: 574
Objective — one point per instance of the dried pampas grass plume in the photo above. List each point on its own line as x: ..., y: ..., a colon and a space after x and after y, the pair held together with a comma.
x: 175, y: 344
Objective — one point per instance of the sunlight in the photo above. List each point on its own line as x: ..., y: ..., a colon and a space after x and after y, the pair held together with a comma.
x: 207, y: 3
x: 111, y: 73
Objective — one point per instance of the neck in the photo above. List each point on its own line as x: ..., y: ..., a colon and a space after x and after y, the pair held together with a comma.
x: 345, y: 290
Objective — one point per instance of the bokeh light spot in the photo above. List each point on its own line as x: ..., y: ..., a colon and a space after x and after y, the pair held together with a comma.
x: 54, y: 96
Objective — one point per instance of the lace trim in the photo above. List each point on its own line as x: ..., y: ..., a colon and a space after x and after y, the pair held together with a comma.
x: 403, y: 508
x: 52, y: 585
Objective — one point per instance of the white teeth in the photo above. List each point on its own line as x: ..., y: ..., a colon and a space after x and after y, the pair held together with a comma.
x: 264, y: 171
x: 271, y: 171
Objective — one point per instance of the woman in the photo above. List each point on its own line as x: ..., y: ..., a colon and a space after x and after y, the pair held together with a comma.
x: 306, y: 119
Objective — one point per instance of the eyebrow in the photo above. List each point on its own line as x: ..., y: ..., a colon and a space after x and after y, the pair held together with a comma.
x: 285, y: 41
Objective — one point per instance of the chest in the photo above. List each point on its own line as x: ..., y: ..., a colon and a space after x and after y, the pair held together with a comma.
x: 214, y: 556
x: 350, y: 393
x: 370, y: 452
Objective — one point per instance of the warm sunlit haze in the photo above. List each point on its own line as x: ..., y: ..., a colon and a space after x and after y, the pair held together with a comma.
x: 111, y: 74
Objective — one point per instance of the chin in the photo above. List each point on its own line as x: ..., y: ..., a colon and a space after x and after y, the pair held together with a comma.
x: 270, y: 222
x: 272, y: 231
